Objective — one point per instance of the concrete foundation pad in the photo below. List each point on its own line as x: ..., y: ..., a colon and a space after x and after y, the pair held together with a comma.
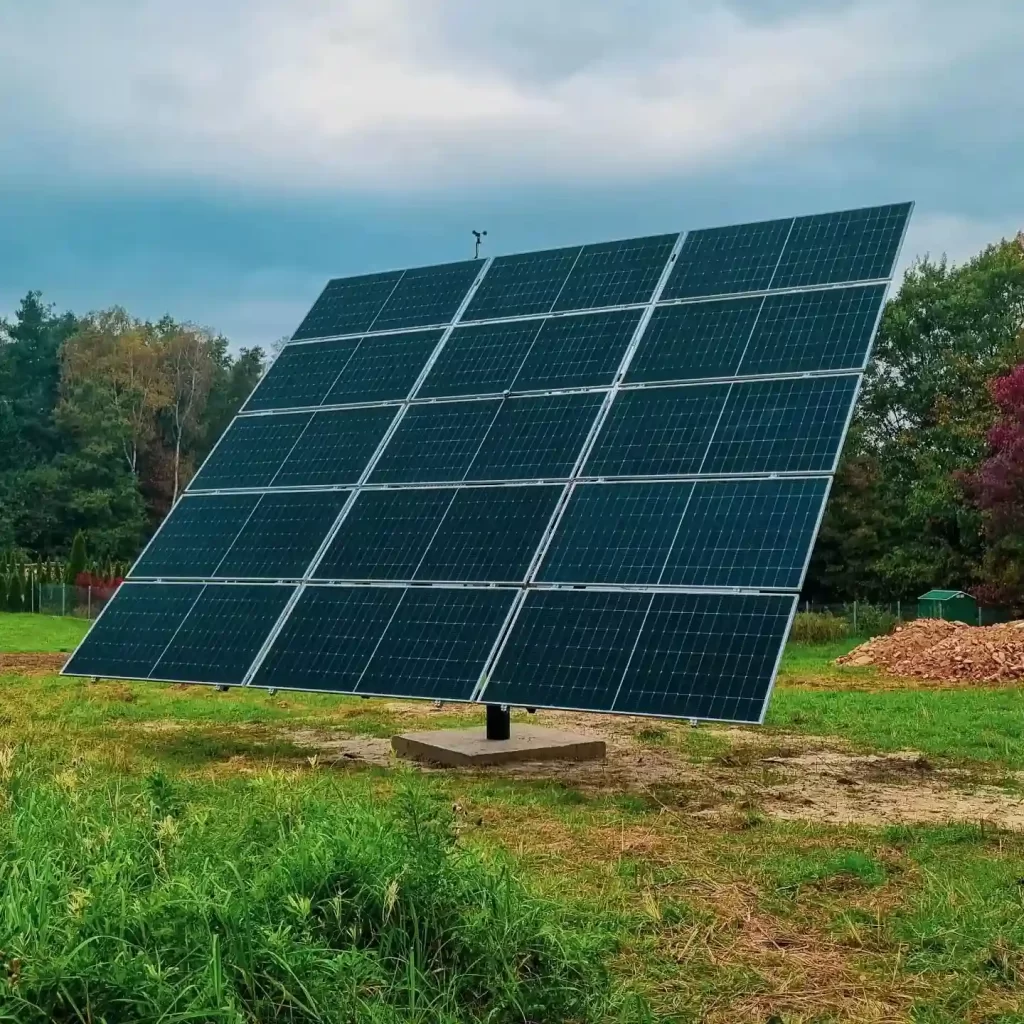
x: 461, y: 747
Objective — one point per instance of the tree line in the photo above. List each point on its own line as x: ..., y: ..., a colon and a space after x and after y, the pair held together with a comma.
x: 104, y: 418
x: 930, y: 488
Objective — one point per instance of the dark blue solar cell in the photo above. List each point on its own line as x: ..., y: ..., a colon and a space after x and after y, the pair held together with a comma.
x: 616, y: 273
x: 568, y: 649
x: 348, y: 305
x: 854, y: 245
x: 385, y: 534
x: 222, y: 634
x: 779, y: 426
x: 336, y: 447
x: 679, y: 655
x: 616, y: 533
x: 658, y: 431
x: 436, y: 443
x: 384, y: 367
x: 481, y: 359
x: 437, y: 643
x: 302, y: 375
x: 577, y: 351
x: 533, y: 438
x: 134, y: 630
x: 705, y: 656
x: 195, y: 536
x: 427, y: 295
x: 281, y: 536
x: 489, y: 534
x: 523, y: 284
x: 251, y: 451
x: 722, y: 261
x: 329, y: 638
x: 822, y: 330
x: 695, y: 340
x: 746, y: 533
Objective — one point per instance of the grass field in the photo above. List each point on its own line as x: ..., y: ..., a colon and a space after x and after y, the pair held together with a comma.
x: 176, y: 853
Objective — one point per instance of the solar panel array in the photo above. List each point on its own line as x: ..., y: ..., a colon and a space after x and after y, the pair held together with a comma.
x: 586, y: 478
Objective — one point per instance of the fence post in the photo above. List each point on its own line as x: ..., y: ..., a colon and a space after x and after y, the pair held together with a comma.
x: 88, y: 602
x: 855, y: 617
x: 899, y: 612
x: 63, y: 599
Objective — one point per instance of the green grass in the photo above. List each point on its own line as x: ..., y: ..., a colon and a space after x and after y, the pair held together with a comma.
x: 814, y: 660
x: 979, y: 725
x: 259, y: 900
x: 183, y: 856
x: 26, y: 632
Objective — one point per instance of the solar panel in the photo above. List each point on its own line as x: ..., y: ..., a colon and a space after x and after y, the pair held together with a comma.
x: 196, y: 535
x: 137, y: 626
x: 334, y: 447
x: 587, y: 478
x: 348, y: 305
x: 303, y: 375
x: 220, y: 635
x: 251, y: 451
x: 384, y: 367
x: 678, y: 655
x: 523, y: 284
x: 489, y: 534
x: 577, y: 351
x: 282, y: 535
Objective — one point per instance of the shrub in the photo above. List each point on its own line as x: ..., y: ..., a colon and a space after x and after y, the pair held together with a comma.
x: 872, y: 620
x: 818, y: 628
x: 266, y: 900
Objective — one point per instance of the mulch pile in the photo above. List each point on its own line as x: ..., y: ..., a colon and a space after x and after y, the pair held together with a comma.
x: 949, y: 652
x: 31, y: 664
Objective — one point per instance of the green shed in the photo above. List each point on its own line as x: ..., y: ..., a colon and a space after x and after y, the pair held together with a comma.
x: 948, y: 604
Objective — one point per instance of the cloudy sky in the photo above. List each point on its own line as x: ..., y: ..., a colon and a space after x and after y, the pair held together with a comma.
x: 219, y: 161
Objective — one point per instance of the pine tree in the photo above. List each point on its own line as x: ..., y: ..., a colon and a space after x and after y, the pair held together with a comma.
x: 76, y: 563
x: 14, y: 592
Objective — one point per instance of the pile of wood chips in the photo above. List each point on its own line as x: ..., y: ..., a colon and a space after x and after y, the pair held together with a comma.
x: 950, y: 652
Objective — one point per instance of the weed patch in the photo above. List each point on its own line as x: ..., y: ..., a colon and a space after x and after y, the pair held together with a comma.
x: 263, y: 901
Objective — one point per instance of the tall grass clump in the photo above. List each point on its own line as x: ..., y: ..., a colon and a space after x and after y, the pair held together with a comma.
x: 277, y: 898
x: 818, y: 628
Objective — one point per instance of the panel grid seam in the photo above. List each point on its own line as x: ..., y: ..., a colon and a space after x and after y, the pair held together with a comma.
x: 325, y: 544
x: 589, y: 441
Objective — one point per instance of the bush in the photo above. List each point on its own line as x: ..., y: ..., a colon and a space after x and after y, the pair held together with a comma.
x: 818, y: 628
x: 266, y: 900
x: 872, y: 620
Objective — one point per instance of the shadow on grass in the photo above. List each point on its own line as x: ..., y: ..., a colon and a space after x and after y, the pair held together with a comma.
x: 197, y: 749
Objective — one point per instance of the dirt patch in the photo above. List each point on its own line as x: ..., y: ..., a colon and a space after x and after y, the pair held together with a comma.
x: 869, y: 789
x: 32, y: 663
x: 791, y: 777
x: 332, y: 748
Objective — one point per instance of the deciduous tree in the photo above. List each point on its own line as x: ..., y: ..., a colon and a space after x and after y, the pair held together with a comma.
x: 998, y: 488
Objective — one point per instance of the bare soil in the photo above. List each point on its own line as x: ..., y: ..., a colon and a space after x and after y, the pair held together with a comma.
x: 32, y: 664
x: 790, y: 777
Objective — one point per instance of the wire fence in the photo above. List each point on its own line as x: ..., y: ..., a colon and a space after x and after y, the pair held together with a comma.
x: 82, y: 602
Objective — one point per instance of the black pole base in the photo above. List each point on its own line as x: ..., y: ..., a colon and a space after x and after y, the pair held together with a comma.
x: 499, y: 722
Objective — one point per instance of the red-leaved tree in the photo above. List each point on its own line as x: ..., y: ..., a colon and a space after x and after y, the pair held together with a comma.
x: 998, y: 490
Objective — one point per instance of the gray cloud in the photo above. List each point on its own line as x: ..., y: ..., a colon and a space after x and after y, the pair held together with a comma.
x: 412, y: 95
